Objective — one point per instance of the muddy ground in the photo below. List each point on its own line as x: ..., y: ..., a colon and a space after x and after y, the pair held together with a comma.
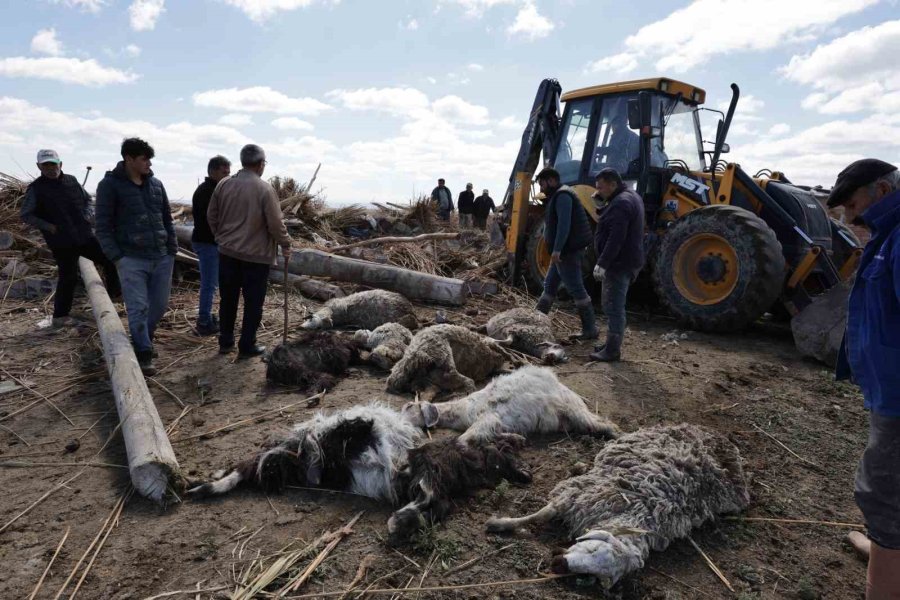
x: 738, y: 384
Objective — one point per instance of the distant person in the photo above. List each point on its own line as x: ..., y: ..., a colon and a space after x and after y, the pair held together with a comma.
x: 57, y: 205
x: 204, y: 243
x: 134, y: 226
x: 619, y: 243
x: 465, y: 204
x: 246, y: 219
x: 443, y: 200
x: 567, y: 232
x: 484, y: 205
x: 869, y: 191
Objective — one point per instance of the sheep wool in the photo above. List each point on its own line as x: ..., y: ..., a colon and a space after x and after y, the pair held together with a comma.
x: 366, y: 310
x: 387, y: 343
x: 529, y: 331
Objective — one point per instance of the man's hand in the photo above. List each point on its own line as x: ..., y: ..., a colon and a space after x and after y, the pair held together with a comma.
x: 599, y: 273
x: 554, y: 258
x: 286, y: 252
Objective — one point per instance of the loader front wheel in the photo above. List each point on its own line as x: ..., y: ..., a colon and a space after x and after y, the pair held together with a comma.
x: 719, y: 268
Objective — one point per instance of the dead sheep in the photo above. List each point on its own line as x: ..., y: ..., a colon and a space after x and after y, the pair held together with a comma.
x: 449, y: 357
x: 529, y: 331
x: 358, y: 450
x: 387, y: 343
x: 528, y: 400
x: 443, y: 470
x: 312, y: 360
x: 644, y: 490
x: 366, y: 310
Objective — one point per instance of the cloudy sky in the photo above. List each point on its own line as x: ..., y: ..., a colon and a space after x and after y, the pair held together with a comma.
x: 390, y: 95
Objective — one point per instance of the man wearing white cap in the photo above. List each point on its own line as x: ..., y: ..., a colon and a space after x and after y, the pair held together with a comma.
x: 57, y: 205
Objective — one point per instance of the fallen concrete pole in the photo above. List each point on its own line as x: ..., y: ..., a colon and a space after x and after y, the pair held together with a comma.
x: 151, y: 460
x: 311, y: 288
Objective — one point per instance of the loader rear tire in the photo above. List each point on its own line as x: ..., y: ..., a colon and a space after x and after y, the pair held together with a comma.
x: 719, y: 268
x: 537, y: 263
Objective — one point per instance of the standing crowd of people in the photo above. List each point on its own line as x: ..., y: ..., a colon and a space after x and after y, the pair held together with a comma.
x: 473, y: 212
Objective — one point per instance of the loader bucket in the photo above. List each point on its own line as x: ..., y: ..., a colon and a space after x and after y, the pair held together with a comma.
x: 819, y: 328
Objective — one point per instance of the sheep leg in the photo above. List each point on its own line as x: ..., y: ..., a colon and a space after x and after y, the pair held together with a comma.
x: 604, y: 555
x: 486, y: 428
x: 500, y: 524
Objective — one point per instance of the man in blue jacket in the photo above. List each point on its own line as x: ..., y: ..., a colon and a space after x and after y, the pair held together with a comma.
x: 567, y: 233
x: 619, y: 243
x: 869, y: 191
x: 134, y: 227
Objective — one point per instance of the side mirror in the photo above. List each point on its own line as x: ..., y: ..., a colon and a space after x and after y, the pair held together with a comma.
x: 726, y: 148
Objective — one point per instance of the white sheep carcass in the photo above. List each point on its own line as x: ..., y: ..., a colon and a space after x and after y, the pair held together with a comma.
x: 448, y: 357
x: 387, y: 343
x: 529, y: 331
x: 644, y: 490
x: 528, y: 400
x: 366, y: 310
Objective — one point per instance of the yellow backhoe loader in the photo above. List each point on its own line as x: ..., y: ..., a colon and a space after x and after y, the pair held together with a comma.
x: 723, y: 247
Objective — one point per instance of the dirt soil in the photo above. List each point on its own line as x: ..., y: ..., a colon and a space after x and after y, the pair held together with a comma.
x: 753, y: 387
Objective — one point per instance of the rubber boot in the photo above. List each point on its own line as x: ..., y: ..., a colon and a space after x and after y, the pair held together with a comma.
x: 589, y: 329
x: 145, y: 362
x: 883, y: 576
x: 611, y: 351
x: 544, y: 304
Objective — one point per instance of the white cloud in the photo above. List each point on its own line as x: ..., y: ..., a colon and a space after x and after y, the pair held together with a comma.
x: 397, y: 101
x: 431, y: 80
x: 45, y: 42
x: 620, y: 63
x: 457, y: 110
x: 262, y: 10
x: 132, y: 50
x: 143, y: 14
x: 857, y: 67
x: 67, y: 70
x: 779, y: 129
x: 292, y: 123
x: 530, y: 24
x: 477, y: 8
x: 92, y: 6
x: 510, y: 122
x: 235, y: 119
x: 475, y: 67
x: 705, y: 29
x: 259, y: 99
x: 410, y: 24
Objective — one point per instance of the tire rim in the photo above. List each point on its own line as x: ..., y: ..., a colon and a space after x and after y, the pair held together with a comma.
x: 542, y: 257
x: 706, y: 269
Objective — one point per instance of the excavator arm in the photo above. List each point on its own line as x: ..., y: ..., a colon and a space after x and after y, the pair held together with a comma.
x: 541, y: 133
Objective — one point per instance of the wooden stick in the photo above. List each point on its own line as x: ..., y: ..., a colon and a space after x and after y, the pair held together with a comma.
x: 24, y: 441
x: 187, y: 592
x: 294, y: 584
x: 442, y: 588
x: 18, y: 464
x: 37, y: 393
x: 711, y: 565
x: 397, y: 240
x: 364, y: 565
x: 797, y: 522
x: 777, y: 441
x: 114, y: 522
x: 469, y: 563
x: 40, y: 582
x: 168, y: 391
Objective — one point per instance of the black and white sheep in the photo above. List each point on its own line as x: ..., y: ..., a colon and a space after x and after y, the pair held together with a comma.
x: 366, y: 310
x: 442, y: 470
x: 644, y: 490
x: 529, y: 331
x: 387, y: 343
x: 528, y: 400
x: 449, y: 357
x: 312, y: 360
x: 358, y: 450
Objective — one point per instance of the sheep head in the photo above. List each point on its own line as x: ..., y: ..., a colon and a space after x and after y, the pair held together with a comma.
x: 361, y: 337
x: 602, y: 554
x: 552, y: 353
x: 421, y: 414
x: 320, y: 320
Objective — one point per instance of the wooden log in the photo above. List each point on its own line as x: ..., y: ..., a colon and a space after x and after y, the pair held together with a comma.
x: 398, y: 240
x: 412, y: 284
x: 151, y: 460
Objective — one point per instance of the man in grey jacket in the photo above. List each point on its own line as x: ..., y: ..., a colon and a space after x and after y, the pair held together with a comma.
x: 443, y: 200
x: 245, y: 217
x: 134, y: 227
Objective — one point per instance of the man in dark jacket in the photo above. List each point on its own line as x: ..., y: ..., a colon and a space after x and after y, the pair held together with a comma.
x: 204, y: 243
x: 134, y: 226
x: 869, y: 191
x: 443, y: 200
x: 567, y: 233
x: 484, y: 205
x: 466, y: 206
x: 57, y: 205
x: 619, y: 243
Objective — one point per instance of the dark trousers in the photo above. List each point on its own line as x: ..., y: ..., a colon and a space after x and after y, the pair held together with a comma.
x: 877, y: 488
x: 613, y: 296
x: 480, y: 222
x: 236, y: 278
x: 67, y: 265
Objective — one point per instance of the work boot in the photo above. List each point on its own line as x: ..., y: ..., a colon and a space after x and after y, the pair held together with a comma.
x: 883, y: 576
x: 145, y: 362
x: 205, y: 328
x: 544, y: 304
x: 611, y: 351
x: 256, y: 350
x: 589, y: 329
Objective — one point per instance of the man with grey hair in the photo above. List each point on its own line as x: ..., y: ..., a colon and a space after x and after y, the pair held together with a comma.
x: 869, y: 191
x: 204, y: 243
x: 245, y: 217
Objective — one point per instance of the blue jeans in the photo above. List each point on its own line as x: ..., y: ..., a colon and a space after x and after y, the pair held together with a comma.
x: 568, y: 272
x: 209, y: 278
x: 612, y: 299
x: 146, y: 283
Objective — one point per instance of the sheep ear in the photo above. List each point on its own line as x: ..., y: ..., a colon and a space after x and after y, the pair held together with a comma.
x: 429, y: 414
